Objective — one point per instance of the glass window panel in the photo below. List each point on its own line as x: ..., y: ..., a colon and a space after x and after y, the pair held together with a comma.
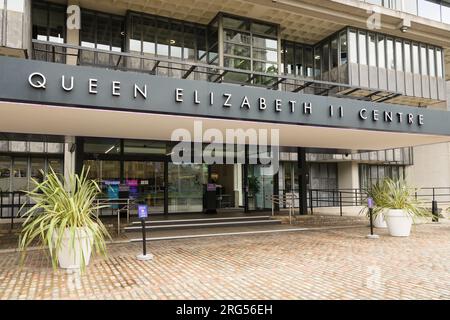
x: 236, y: 63
x: 37, y: 164
x: 309, y: 62
x: 87, y: 32
x: 237, y: 37
x: 390, y: 54
x: 237, y: 24
x: 163, y: 38
x: 362, y: 48
x: 57, y: 20
x: 407, y: 57
x: 440, y: 67
x: 144, y: 147
x: 5, y: 173
x: 37, y: 147
x: 317, y: 62
x: 334, y: 53
x: 189, y: 43
x: 432, y: 62
x: 372, y: 51
x: 265, y: 43
x: 264, y: 29
x: 399, y: 55
x: 40, y: 21
x: 176, y: 40
x: 4, y: 146
x: 237, y: 50
x: 265, y: 67
x: 102, y: 146
x: 53, y: 147
x: 201, y: 44
x: 423, y: 60
x: 20, y: 174
x: 117, y: 29
x: 381, y: 52
x: 18, y: 146
x: 325, y: 58
x: 136, y: 34
x: 56, y: 165
x: 266, y: 55
x: 415, y: 59
x: 446, y: 11
x: 353, y: 47
x: 299, y: 61
x: 103, y: 32
x: 344, y: 48
x: 289, y: 59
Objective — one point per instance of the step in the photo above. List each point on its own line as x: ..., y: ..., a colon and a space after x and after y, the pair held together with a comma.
x: 201, y: 220
x: 193, y: 224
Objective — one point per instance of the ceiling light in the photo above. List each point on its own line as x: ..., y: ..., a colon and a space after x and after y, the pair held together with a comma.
x: 172, y: 41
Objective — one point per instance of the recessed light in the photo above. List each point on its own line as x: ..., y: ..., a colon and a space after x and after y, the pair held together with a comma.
x: 172, y: 41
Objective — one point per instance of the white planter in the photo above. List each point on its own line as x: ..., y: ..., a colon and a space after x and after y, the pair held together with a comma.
x: 399, y: 222
x: 379, y: 221
x: 70, y: 255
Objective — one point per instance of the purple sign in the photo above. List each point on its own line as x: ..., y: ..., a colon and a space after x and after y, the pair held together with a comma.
x: 370, y: 203
x: 142, y: 211
x: 211, y: 187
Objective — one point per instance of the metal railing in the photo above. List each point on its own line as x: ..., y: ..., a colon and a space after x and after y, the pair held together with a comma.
x: 356, y: 197
x: 156, y: 65
x: 117, y: 206
x: 286, y: 200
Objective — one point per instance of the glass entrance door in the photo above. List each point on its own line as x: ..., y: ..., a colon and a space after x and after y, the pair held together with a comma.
x: 145, y: 180
x: 260, y: 187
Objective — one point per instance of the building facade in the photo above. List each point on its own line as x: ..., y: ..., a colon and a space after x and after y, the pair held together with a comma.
x: 358, y: 91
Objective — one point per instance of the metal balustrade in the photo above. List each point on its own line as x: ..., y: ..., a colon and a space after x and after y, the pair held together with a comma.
x: 155, y: 65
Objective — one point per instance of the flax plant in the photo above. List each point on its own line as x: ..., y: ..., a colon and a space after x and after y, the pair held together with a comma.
x: 396, y: 194
x: 57, y: 208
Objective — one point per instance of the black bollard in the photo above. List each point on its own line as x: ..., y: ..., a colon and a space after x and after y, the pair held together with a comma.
x: 434, y: 211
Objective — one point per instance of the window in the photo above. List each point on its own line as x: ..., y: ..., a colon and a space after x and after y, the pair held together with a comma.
x: 49, y: 22
x: 432, y: 62
x: 407, y: 57
x: 372, y: 51
x: 103, y: 32
x: 423, y: 61
x: 353, y: 47
x: 381, y: 52
x: 362, y: 48
x: 415, y: 58
x: 440, y: 68
x: 398, y: 55
x: 164, y: 37
x: 390, y: 54
x: 309, y: 62
x: 344, y: 48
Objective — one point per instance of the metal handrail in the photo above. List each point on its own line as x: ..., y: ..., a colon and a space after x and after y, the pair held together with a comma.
x: 220, y: 72
x: 283, y: 200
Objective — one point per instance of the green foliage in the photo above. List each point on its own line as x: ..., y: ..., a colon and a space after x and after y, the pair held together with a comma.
x: 395, y: 194
x: 57, y: 208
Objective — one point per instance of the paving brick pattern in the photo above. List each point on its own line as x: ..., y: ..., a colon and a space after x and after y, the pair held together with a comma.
x: 326, y: 264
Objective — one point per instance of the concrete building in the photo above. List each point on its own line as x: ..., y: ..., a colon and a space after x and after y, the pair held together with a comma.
x: 358, y: 90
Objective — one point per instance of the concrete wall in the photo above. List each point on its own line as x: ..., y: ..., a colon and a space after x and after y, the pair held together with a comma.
x: 15, y: 24
x: 431, y: 166
x: 348, y: 177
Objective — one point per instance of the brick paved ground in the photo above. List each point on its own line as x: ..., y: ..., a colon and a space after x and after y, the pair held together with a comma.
x: 331, y: 264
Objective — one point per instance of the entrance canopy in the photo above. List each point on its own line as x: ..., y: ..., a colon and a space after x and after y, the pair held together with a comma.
x: 57, y: 120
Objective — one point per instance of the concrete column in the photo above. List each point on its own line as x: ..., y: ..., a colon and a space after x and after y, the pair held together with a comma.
x: 448, y: 95
x: 431, y: 166
x: 69, y: 157
x: 237, y: 172
x: 16, y: 24
x: 348, y: 175
x: 73, y: 38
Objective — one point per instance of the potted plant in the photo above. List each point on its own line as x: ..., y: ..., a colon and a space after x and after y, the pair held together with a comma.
x: 401, y: 205
x: 376, y: 192
x: 63, y: 219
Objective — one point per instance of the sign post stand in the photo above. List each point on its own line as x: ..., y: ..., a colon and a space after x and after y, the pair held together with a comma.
x: 143, y: 214
x: 370, y: 206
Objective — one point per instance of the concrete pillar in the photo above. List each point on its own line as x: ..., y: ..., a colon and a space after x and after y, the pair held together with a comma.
x: 69, y: 157
x: 348, y: 175
x: 15, y: 19
x: 238, y: 196
x: 431, y: 166
x: 73, y: 38
x: 448, y: 95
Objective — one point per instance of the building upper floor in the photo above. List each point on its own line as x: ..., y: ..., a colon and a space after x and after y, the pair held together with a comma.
x: 349, y: 49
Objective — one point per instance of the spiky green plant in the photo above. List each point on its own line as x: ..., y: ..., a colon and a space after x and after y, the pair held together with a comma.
x: 396, y: 194
x: 59, y: 207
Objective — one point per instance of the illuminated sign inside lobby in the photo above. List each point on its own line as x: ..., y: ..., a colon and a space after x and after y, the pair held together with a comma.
x: 38, y: 81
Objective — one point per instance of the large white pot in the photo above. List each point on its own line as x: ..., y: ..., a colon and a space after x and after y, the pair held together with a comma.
x: 399, y: 222
x: 70, y: 256
x: 379, y: 221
